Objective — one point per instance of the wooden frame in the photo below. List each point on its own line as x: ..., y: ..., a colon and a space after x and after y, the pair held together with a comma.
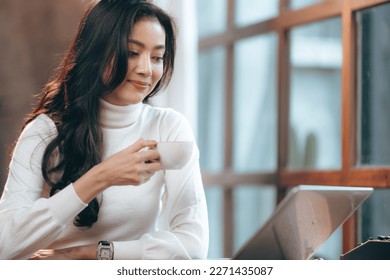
x: 283, y: 178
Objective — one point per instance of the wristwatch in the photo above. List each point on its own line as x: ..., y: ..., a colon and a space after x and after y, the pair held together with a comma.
x: 105, y: 250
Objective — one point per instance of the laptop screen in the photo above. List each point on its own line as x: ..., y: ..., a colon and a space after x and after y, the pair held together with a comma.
x: 302, y: 222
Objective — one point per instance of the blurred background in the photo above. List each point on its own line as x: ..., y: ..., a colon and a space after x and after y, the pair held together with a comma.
x: 279, y: 93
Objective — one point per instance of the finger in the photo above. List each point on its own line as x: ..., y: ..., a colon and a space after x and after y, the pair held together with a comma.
x: 148, y: 156
x: 42, y: 254
x: 34, y: 257
x: 146, y: 172
x: 149, y: 168
x: 141, y: 144
x: 152, y: 167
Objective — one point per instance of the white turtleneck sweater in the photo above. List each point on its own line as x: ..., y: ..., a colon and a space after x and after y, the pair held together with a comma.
x: 165, y: 218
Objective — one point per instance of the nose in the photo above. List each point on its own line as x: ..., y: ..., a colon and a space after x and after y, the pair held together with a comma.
x: 144, y: 65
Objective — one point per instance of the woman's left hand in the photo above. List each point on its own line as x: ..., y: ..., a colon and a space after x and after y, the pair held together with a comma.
x: 87, y: 252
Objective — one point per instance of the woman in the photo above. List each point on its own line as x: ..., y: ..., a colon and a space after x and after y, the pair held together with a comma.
x: 85, y: 180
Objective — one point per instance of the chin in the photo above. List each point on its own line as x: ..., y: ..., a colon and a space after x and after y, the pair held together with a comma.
x: 127, y: 97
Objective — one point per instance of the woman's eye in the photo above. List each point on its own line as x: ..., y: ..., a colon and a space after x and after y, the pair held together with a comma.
x: 132, y: 53
x: 158, y: 58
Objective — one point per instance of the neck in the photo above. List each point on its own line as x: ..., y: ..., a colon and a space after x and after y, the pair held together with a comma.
x: 115, y: 116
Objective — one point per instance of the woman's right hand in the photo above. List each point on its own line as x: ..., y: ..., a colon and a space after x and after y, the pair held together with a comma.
x: 134, y: 165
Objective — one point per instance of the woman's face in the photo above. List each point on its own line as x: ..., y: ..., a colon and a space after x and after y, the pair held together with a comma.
x: 145, y: 63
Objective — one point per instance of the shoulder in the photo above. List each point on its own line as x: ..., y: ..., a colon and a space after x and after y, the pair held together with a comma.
x: 33, y: 141
x: 166, y: 114
x: 172, y: 124
x: 42, y: 121
x: 41, y: 127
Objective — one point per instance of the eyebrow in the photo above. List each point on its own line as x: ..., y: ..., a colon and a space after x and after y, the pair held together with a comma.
x: 136, y: 42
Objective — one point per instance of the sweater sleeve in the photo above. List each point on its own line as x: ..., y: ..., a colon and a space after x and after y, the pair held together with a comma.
x: 183, y: 231
x: 28, y: 220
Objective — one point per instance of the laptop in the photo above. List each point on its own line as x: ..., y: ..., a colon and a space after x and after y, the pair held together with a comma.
x: 302, y: 222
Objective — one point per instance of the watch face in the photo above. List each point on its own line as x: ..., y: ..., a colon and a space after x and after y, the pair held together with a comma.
x: 105, y: 253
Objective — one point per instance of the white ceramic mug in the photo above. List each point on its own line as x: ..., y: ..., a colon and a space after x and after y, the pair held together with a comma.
x: 175, y: 154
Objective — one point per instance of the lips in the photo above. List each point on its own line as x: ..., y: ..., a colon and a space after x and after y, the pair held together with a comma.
x: 140, y: 84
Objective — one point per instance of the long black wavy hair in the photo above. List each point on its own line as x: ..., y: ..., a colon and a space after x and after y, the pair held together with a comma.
x: 71, y: 96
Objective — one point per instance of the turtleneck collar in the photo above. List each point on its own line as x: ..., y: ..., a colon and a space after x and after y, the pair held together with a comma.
x: 115, y: 116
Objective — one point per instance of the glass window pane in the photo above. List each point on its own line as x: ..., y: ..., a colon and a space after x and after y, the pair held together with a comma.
x: 255, y: 98
x: 376, y: 214
x: 373, y: 85
x: 214, y: 198
x: 297, y: 4
x: 252, y: 11
x: 253, y: 205
x: 315, y: 96
x: 332, y: 248
x: 211, y: 109
x: 211, y: 17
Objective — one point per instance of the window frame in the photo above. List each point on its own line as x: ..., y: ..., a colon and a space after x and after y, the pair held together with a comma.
x: 283, y: 178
